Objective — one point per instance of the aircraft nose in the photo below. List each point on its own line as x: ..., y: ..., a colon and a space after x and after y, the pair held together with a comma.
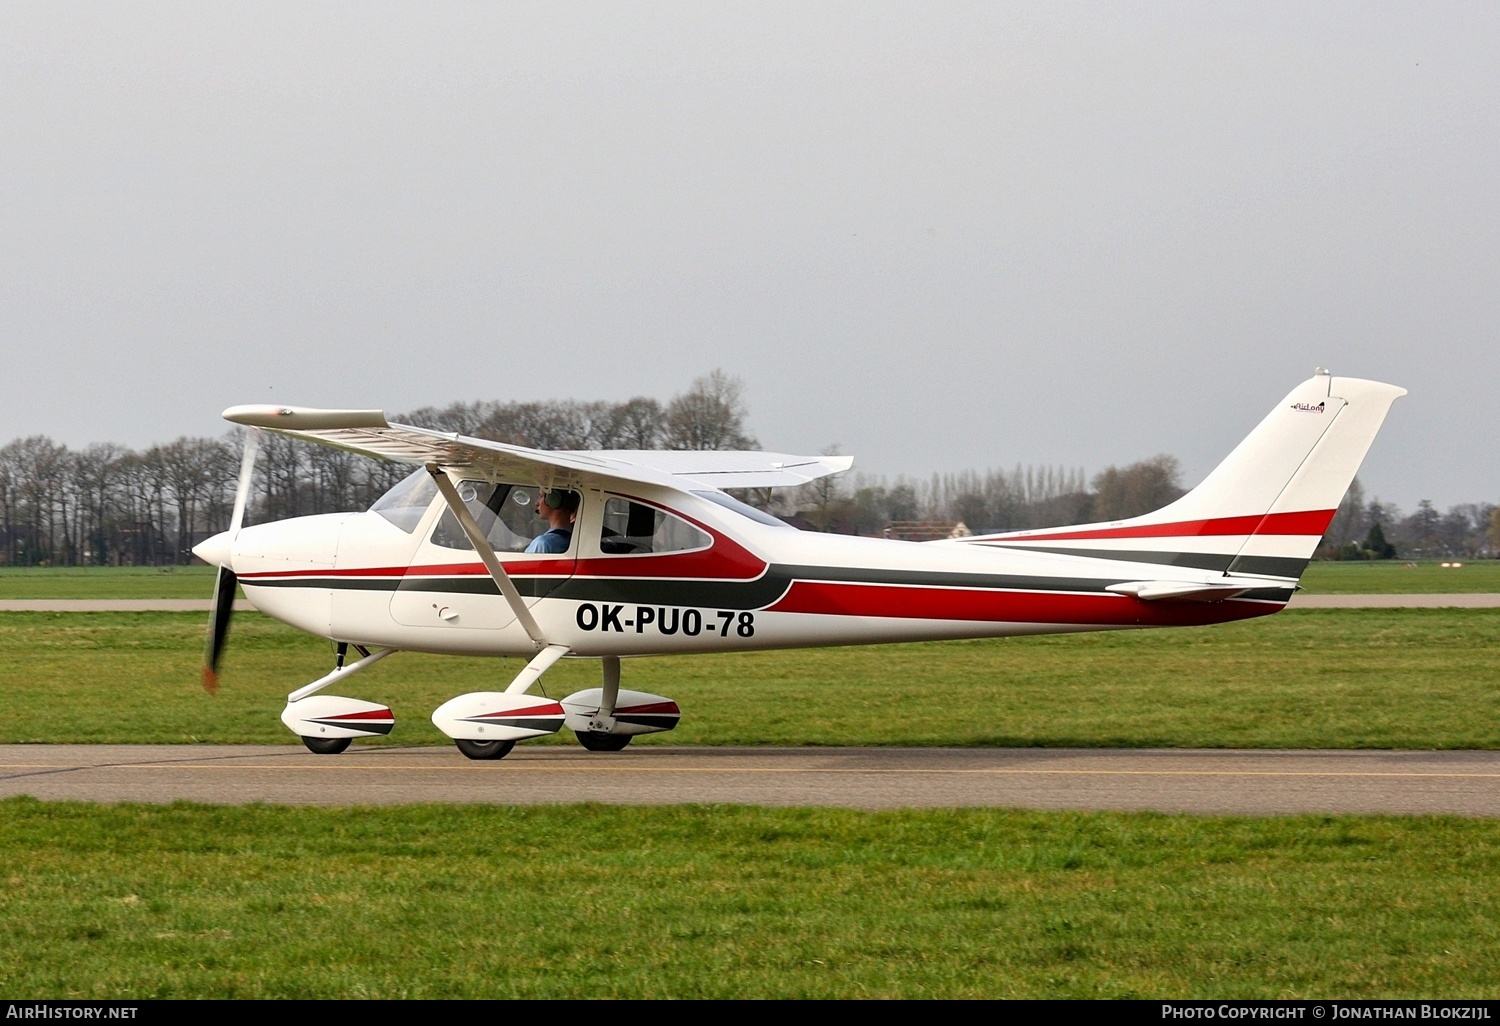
x: 214, y: 551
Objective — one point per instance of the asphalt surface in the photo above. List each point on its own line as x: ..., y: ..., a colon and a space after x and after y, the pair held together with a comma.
x: 1196, y: 781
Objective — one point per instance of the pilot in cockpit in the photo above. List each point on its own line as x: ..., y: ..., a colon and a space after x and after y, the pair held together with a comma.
x: 559, y: 508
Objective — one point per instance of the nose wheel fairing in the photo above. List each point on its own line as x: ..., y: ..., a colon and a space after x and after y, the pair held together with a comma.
x: 331, y: 717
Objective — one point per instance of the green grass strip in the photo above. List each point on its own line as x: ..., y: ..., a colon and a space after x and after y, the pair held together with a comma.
x: 589, y: 901
x: 1406, y: 678
x: 107, y: 582
x: 1399, y: 577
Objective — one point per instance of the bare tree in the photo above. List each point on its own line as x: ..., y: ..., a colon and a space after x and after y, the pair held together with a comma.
x: 98, y: 470
x: 634, y: 424
x: 709, y: 415
x: 1121, y: 493
x: 40, y: 470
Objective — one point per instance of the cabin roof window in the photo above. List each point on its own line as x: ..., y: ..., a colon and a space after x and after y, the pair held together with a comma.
x: 744, y: 509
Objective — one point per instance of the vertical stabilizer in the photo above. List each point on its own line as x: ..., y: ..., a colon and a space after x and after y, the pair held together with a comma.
x: 1265, y: 507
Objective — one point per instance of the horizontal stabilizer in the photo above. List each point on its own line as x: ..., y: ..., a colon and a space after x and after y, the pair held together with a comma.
x: 1177, y: 591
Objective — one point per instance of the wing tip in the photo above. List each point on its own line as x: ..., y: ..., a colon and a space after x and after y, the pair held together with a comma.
x: 304, y: 418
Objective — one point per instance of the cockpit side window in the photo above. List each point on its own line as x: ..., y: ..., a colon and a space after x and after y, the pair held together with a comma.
x: 506, y: 514
x: 633, y: 528
x: 405, y: 503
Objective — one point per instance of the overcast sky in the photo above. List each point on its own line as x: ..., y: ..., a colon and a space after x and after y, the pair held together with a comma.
x: 943, y: 236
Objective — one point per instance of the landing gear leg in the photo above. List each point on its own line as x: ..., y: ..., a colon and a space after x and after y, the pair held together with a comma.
x: 313, y: 717
x: 598, y: 740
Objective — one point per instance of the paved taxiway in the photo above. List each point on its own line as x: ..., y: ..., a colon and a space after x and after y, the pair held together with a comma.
x: 1198, y: 781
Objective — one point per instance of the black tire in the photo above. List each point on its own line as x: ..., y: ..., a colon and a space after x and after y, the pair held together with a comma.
x: 484, y: 749
x: 326, y: 745
x: 598, y: 741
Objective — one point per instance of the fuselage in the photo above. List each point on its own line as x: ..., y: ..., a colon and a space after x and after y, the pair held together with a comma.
x: 706, y: 577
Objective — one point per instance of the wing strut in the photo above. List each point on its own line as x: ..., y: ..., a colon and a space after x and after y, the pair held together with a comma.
x: 532, y: 671
x: 487, y: 554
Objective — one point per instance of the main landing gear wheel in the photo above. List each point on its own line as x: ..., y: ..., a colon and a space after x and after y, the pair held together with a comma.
x: 598, y: 741
x: 326, y: 745
x: 484, y: 749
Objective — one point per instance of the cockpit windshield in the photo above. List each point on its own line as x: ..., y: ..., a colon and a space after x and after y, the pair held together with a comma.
x: 404, y: 504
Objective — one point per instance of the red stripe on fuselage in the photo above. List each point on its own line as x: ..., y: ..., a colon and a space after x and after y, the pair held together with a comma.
x: 726, y: 560
x: 830, y: 599
x: 686, y: 566
x: 1310, y: 522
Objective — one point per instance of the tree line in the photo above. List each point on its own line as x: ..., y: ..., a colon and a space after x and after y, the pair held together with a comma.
x: 107, y: 505
x: 1377, y: 530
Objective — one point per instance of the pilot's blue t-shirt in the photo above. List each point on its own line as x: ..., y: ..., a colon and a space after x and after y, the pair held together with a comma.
x: 555, y: 540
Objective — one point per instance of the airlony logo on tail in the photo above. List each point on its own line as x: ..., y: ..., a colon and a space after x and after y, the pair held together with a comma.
x: 1309, y: 407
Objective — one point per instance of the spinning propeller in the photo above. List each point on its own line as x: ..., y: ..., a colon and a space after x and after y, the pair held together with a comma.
x: 225, y: 582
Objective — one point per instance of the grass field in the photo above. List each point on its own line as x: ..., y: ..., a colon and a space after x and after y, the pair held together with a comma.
x: 1413, y: 678
x: 107, y: 582
x: 588, y: 901
x: 1397, y: 578
x: 467, y: 902
x: 188, y: 582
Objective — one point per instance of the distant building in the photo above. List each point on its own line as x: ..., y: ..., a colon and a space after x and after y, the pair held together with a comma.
x: 926, y: 530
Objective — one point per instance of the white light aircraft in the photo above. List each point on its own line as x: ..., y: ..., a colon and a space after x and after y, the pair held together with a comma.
x: 662, y: 560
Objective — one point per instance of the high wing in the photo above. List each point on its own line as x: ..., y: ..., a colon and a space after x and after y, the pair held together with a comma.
x: 369, y: 433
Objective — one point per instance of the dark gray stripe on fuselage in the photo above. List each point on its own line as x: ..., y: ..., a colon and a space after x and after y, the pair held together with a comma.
x: 1261, y: 566
x: 643, y: 591
x: 752, y: 594
x: 945, y: 579
x: 467, y: 584
x: 647, y: 591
